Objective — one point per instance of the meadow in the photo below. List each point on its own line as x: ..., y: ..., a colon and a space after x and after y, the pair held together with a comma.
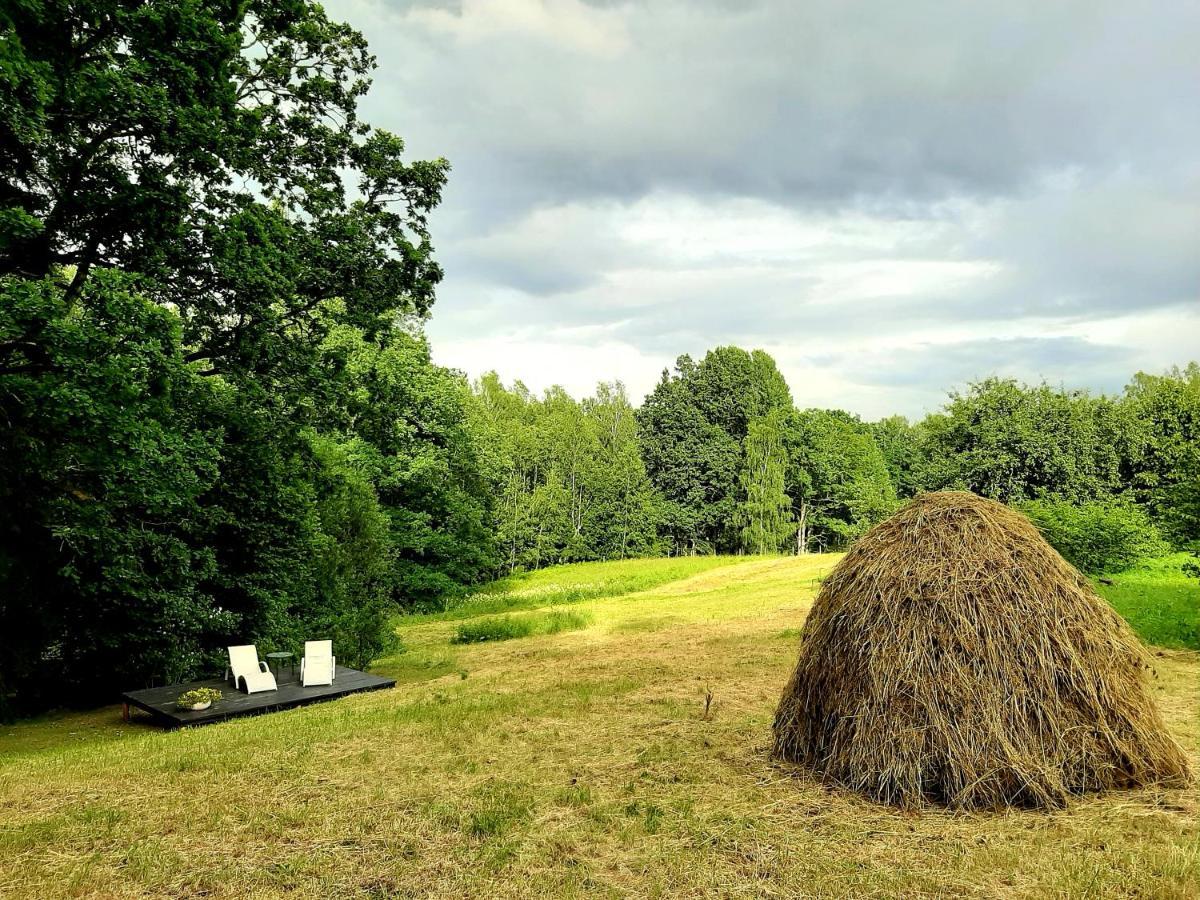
x: 624, y: 753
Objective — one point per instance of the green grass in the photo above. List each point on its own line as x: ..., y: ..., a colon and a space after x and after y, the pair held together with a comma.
x: 578, y: 764
x: 418, y: 664
x: 1159, y: 601
x: 506, y: 628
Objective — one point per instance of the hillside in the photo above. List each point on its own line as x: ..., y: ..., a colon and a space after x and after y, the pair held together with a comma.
x: 580, y: 762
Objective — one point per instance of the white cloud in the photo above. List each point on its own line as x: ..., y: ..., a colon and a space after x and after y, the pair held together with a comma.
x: 554, y: 357
x: 560, y: 23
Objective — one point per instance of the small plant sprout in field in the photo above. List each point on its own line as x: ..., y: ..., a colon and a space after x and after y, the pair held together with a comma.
x: 708, y: 699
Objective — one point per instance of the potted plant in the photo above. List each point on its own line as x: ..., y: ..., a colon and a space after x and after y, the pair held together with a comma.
x: 200, y: 698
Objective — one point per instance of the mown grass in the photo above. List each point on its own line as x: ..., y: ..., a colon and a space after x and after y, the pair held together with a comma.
x: 577, y: 764
x: 1159, y: 600
x: 575, y: 583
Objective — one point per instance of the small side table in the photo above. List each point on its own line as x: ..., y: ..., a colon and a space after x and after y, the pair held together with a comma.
x: 277, y: 660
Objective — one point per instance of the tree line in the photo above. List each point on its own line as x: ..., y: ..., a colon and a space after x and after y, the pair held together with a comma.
x: 220, y: 422
x: 739, y: 469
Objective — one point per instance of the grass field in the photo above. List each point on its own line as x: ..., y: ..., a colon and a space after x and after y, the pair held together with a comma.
x: 623, y: 757
x: 1159, y: 600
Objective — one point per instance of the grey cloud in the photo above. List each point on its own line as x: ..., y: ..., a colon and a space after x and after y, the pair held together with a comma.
x: 815, y: 103
x: 1053, y: 141
x: 1055, y: 360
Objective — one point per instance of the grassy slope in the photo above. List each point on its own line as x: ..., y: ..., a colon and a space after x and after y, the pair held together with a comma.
x: 573, y: 764
x: 575, y: 582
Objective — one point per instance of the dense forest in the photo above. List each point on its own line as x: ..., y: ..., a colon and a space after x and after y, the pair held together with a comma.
x: 220, y: 422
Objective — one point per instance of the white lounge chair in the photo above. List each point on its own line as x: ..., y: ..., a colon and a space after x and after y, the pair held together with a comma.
x: 250, y: 674
x: 319, y: 663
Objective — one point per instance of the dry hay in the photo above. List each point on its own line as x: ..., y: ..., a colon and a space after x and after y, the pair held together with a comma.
x: 954, y: 657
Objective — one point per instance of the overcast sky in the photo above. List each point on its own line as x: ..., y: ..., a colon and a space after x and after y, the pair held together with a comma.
x: 890, y: 198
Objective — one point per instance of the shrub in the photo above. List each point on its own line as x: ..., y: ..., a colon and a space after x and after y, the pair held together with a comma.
x: 1103, y: 536
x: 562, y: 620
x: 506, y: 628
x: 499, y: 628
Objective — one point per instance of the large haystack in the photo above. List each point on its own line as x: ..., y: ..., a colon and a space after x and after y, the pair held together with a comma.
x: 953, y: 656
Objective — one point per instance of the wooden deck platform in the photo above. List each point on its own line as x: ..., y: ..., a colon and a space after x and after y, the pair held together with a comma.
x: 160, y: 701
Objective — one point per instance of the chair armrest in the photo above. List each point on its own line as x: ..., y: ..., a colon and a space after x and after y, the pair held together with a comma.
x: 263, y: 667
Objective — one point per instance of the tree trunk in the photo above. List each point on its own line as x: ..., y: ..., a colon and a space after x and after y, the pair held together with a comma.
x: 802, y: 530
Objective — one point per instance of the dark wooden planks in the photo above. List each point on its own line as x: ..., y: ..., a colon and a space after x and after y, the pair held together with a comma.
x: 160, y: 701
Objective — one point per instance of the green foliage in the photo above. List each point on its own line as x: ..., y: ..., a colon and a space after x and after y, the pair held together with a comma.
x: 507, y: 628
x: 568, y: 476
x: 1160, y: 601
x: 353, y: 558
x: 1011, y: 443
x: 900, y: 442
x: 109, y: 449
x: 1163, y: 416
x: 208, y: 148
x: 765, y: 512
x: 692, y: 428
x: 623, y: 520
x: 1097, y: 537
x: 405, y: 426
x: 263, y: 528
x: 219, y: 428
x: 836, y: 477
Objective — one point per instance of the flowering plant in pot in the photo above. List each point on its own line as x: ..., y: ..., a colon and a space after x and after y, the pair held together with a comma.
x: 200, y: 698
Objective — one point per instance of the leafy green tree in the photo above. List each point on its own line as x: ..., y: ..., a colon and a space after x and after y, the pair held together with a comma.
x: 1010, y: 442
x: 353, y: 556
x: 504, y: 418
x: 733, y: 387
x: 692, y: 426
x: 569, y: 477
x: 623, y: 520
x: 836, y: 477
x: 208, y: 148
x: 195, y: 229
x: 1162, y: 459
x: 109, y: 448
x: 692, y: 463
x: 408, y: 423
x: 1097, y: 537
x: 572, y: 447
x: 900, y: 442
x: 765, y: 512
x: 263, y: 527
